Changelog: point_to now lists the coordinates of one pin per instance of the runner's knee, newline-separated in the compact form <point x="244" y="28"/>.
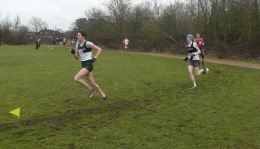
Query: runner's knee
<point x="190" y="72"/>
<point x="76" y="79"/>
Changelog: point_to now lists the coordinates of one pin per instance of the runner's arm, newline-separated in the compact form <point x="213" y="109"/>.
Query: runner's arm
<point x="76" y="55"/>
<point x="202" y="42"/>
<point x="98" y="49"/>
<point x="197" y="48"/>
<point x="198" y="51"/>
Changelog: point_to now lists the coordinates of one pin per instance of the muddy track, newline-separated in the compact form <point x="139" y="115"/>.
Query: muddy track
<point x="216" y="61"/>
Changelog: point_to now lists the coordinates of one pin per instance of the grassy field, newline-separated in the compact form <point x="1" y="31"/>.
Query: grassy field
<point x="152" y="106"/>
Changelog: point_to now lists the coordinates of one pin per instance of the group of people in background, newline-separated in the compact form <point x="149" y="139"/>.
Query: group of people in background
<point x="56" y="42"/>
<point x="59" y="41"/>
<point x="72" y="41"/>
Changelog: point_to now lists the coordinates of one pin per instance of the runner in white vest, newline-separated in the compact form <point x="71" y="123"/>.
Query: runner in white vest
<point x="84" y="53"/>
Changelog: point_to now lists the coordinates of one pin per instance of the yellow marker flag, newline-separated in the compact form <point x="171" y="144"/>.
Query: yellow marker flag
<point x="16" y="112"/>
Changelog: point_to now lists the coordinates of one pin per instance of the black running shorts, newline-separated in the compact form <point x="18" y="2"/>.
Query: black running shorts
<point x="88" y="65"/>
<point x="194" y="63"/>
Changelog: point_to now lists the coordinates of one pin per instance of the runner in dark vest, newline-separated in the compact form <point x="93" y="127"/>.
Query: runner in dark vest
<point x="193" y="59"/>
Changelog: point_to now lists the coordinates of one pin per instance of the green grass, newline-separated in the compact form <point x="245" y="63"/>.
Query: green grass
<point x="153" y="106"/>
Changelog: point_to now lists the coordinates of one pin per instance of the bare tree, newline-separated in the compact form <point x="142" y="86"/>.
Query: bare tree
<point x="16" y="24"/>
<point x="6" y="30"/>
<point x="36" y="24"/>
<point x="6" y="23"/>
<point x="119" y="11"/>
<point x="96" y="18"/>
<point x="19" y="32"/>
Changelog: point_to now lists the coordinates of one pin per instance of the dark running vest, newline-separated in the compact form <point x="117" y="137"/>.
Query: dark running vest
<point x="191" y="49"/>
<point x="84" y="48"/>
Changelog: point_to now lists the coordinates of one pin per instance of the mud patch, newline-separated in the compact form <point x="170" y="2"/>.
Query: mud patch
<point x="62" y="119"/>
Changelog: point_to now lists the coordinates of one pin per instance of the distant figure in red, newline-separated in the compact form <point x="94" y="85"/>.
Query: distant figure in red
<point x="125" y="42"/>
<point x="200" y="44"/>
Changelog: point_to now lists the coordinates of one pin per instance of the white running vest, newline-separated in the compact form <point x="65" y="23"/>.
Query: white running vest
<point x="85" y="50"/>
<point x="126" y="41"/>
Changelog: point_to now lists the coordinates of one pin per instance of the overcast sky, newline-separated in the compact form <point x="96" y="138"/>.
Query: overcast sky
<point x="56" y="13"/>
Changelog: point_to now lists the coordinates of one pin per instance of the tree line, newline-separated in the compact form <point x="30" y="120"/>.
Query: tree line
<point x="230" y="28"/>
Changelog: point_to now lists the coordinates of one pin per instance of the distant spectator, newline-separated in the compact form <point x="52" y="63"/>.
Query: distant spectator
<point x="125" y="42"/>
<point x="53" y="41"/>
<point x="56" y="41"/>
<point x="64" y="41"/>
<point x="38" y="43"/>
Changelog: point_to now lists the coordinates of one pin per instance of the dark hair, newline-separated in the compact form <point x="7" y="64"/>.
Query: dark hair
<point x="83" y="34"/>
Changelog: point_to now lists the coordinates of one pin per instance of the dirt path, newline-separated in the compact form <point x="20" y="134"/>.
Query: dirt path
<point x="216" y="61"/>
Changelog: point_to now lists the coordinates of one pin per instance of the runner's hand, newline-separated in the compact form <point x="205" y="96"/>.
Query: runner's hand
<point x="191" y="56"/>
<point x="93" y="60"/>
<point x="186" y="59"/>
<point x="72" y="51"/>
